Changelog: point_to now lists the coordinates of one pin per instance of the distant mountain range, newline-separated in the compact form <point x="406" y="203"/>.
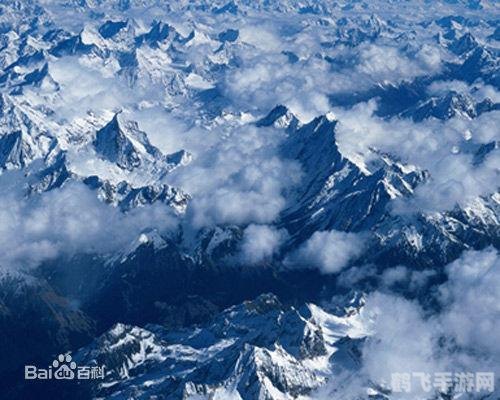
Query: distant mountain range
<point x="190" y="122"/>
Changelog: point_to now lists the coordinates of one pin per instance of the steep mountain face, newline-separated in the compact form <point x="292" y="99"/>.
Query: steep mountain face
<point x="334" y="186"/>
<point x="154" y="281"/>
<point x="128" y="197"/>
<point x="16" y="150"/>
<point x="480" y="63"/>
<point x="436" y="239"/>
<point x="25" y="135"/>
<point x="210" y="140"/>
<point x="448" y="106"/>
<point x="124" y="146"/>
<point x="258" y="350"/>
<point x="52" y="177"/>
<point x="280" y="117"/>
<point x="464" y="44"/>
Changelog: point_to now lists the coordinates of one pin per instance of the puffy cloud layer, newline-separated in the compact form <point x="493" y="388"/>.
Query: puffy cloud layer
<point x="458" y="337"/>
<point x="237" y="175"/>
<point x="329" y="251"/>
<point x="389" y="64"/>
<point x="68" y="221"/>
<point x="238" y="179"/>
<point x="260" y="243"/>
<point x="83" y="87"/>
<point x="403" y="341"/>
<point x="266" y="77"/>
<point x="444" y="148"/>
<point x="471" y="300"/>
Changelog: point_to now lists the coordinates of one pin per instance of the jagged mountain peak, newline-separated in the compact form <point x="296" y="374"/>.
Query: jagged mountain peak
<point x="449" y="105"/>
<point x="159" y="33"/>
<point x="26" y="133"/>
<point x="124" y="144"/>
<point x="55" y="175"/>
<point x="479" y="63"/>
<point x="278" y="322"/>
<point x="181" y="157"/>
<point x="464" y="44"/>
<point x="333" y="185"/>
<point x="16" y="150"/>
<point x="121" y="142"/>
<point x="73" y="45"/>
<point x="444" y="107"/>
<point x="258" y="350"/>
<point x="269" y="186"/>
<point x="127" y="197"/>
<point x="280" y="117"/>
<point x="110" y="28"/>
<point x="314" y="144"/>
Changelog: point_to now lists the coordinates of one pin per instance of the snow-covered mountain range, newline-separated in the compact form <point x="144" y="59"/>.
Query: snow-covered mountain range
<point x="219" y="200"/>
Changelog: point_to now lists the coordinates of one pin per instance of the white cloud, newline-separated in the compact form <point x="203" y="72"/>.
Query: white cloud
<point x="67" y="221"/>
<point x="439" y="88"/>
<point x="266" y="78"/>
<point x="402" y="341"/>
<point x="83" y="88"/>
<point x="236" y="176"/>
<point x="430" y="145"/>
<point x="261" y="36"/>
<point x="478" y="91"/>
<point x="472" y="301"/>
<point x="388" y="63"/>
<point x="329" y="251"/>
<point x="260" y="242"/>
<point x="165" y="131"/>
<point x="394" y="276"/>
<point x="458" y="336"/>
